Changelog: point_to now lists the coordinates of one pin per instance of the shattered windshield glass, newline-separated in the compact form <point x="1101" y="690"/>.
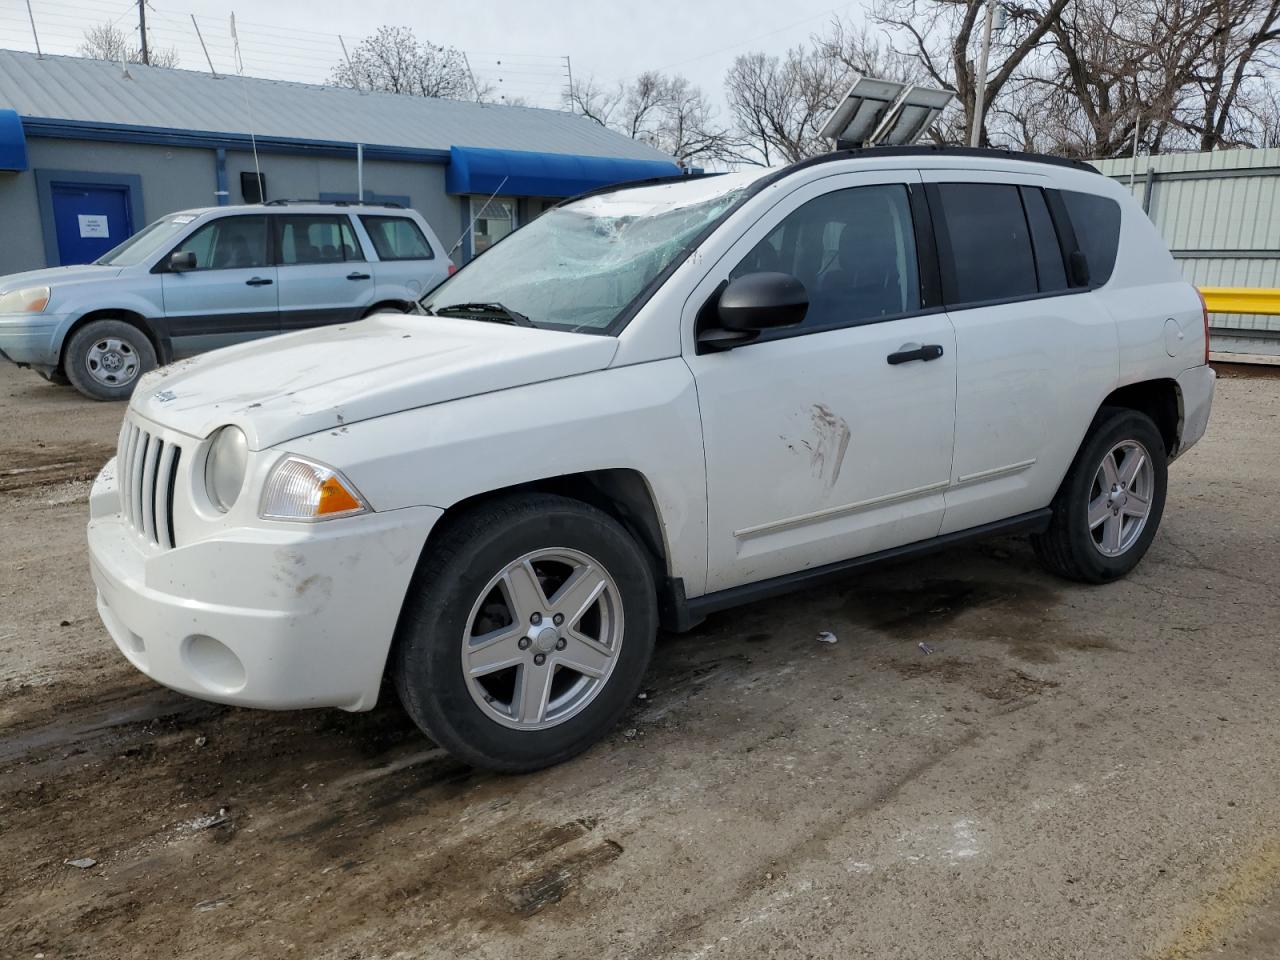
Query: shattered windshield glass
<point x="578" y="267"/>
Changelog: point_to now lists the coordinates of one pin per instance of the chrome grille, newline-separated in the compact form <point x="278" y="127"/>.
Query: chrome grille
<point x="147" y="469"/>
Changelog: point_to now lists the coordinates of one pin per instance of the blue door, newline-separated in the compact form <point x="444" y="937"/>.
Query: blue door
<point x="89" y="220"/>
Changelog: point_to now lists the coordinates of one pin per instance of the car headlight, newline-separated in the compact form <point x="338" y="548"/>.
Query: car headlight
<point x="301" y="489"/>
<point x="225" y="467"/>
<point x="27" y="300"/>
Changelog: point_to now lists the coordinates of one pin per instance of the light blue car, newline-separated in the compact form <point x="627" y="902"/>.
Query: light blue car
<point x="200" y="279"/>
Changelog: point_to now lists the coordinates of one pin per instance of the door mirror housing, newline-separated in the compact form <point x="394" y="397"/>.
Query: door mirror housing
<point x="762" y="301"/>
<point x="182" y="261"/>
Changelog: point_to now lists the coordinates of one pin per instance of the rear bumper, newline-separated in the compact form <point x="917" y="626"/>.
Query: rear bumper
<point x="258" y="617"/>
<point x="31" y="339"/>
<point x="1195" y="390"/>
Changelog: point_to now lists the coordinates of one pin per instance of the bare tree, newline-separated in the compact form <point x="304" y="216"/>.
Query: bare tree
<point x="108" y="42"/>
<point x="670" y="113"/>
<point x="1243" y="37"/>
<point x="779" y="104"/>
<point x="393" y="60"/>
<point x="939" y="37"/>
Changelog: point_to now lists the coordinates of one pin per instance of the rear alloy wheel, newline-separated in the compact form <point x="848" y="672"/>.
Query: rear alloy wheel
<point x="105" y="358"/>
<point x="1109" y="506"/>
<point x="526" y="633"/>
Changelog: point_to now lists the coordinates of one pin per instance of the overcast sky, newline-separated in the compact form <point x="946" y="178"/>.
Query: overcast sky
<point x="511" y="43"/>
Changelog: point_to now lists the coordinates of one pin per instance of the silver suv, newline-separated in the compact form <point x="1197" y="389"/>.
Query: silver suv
<point x="200" y="279"/>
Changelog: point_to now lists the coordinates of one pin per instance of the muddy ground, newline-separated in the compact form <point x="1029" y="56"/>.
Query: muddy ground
<point x="1071" y="773"/>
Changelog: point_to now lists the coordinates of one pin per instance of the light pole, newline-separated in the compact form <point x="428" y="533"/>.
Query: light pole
<point x="980" y="94"/>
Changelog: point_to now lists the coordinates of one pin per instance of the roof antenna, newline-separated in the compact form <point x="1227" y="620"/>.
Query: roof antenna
<point x="200" y="37"/>
<point x="257" y="169"/>
<point x="32" y="17"/>
<point x="474" y="86"/>
<point x="355" y="81"/>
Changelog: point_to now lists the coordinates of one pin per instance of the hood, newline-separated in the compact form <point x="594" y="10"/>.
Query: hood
<point x="57" y="276"/>
<point x="300" y="383"/>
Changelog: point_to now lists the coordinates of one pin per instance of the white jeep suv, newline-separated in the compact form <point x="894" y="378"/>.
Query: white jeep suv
<point x="651" y="403"/>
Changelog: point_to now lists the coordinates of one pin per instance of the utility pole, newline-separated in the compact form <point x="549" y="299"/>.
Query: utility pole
<point x="142" y="29"/>
<point x="980" y="94"/>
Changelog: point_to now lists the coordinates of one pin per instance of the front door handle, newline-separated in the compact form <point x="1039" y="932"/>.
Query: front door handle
<point x="258" y="282"/>
<point x="357" y="276"/>
<point x="909" y="351"/>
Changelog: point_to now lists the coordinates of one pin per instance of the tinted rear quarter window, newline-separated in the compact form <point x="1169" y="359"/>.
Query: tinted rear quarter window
<point x="1096" y="221"/>
<point x="397" y="238"/>
<point x="985" y="241"/>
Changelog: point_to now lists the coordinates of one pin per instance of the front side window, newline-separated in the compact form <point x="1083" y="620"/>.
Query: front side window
<point x="316" y="239"/>
<point x="580" y="266"/>
<point x="984" y="244"/>
<point x="229" y="243"/>
<point x="854" y="251"/>
<point x="397" y="238"/>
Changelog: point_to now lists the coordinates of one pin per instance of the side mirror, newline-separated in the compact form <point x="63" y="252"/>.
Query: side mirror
<point x="182" y="261"/>
<point x="762" y="301"/>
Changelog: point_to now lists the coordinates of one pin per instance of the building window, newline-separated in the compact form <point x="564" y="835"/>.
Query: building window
<point x="494" y="218"/>
<point x="253" y="186"/>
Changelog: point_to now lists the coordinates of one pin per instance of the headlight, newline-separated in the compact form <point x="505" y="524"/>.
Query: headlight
<point x="299" y="489"/>
<point x="29" y="300"/>
<point x="225" y="466"/>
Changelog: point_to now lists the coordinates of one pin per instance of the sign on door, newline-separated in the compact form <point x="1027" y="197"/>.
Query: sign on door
<point x="93" y="225"/>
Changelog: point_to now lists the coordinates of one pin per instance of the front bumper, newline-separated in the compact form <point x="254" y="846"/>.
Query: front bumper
<point x="31" y="339"/>
<point x="1195" y="391"/>
<point x="279" y="616"/>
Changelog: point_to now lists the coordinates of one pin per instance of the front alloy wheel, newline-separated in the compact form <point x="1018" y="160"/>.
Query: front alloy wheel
<point x="526" y="631"/>
<point x="543" y="639"/>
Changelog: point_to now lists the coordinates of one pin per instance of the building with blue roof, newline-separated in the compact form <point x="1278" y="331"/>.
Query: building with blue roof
<point x="113" y="146"/>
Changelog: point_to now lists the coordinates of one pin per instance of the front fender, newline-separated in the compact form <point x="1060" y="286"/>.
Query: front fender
<point x="642" y="418"/>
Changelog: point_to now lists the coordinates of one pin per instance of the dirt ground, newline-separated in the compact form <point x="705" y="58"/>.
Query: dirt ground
<point x="1072" y="772"/>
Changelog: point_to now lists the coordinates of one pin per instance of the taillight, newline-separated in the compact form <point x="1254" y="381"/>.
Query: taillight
<point x="454" y="269"/>
<point x="1204" y="312"/>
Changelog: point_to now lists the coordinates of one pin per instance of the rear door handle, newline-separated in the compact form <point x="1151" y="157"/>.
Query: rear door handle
<point x="258" y="282"/>
<point x="357" y="276"/>
<point x="909" y="351"/>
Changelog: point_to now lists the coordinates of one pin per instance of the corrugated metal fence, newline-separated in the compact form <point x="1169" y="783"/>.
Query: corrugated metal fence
<point x="1220" y="214"/>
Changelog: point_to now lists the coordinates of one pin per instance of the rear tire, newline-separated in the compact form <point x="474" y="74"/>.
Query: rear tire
<point x="507" y="603"/>
<point x="1109" y="506"/>
<point x="105" y="359"/>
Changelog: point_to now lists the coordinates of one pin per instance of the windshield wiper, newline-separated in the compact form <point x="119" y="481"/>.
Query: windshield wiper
<point x="494" y="312"/>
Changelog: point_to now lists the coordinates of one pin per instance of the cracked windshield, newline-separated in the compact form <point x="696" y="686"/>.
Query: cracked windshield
<point x="578" y="267"/>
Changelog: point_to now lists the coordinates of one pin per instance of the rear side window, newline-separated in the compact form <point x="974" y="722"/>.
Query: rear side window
<point x="1096" y="221"/>
<point x="316" y="239"/>
<point x="397" y="238"/>
<point x="1050" y="267"/>
<point x="984" y="244"/>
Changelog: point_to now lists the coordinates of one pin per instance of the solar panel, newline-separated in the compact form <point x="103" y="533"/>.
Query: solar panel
<point x="884" y="113"/>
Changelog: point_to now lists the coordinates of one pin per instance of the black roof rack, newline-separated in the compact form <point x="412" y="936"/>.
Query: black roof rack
<point x="336" y="203"/>
<point x="938" y="149"/>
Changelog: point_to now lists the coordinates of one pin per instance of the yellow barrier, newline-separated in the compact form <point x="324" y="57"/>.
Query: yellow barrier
<point x="1242" y="300"/>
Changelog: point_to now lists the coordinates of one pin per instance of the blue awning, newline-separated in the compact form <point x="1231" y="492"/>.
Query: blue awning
<point x="522" y="173"/>
<point x="13" y="143"/>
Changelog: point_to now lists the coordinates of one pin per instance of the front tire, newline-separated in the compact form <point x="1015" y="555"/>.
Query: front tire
<point x="526" y="633"/>
<point x="105" y="358"/>
<point x="1109" y="506"/>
